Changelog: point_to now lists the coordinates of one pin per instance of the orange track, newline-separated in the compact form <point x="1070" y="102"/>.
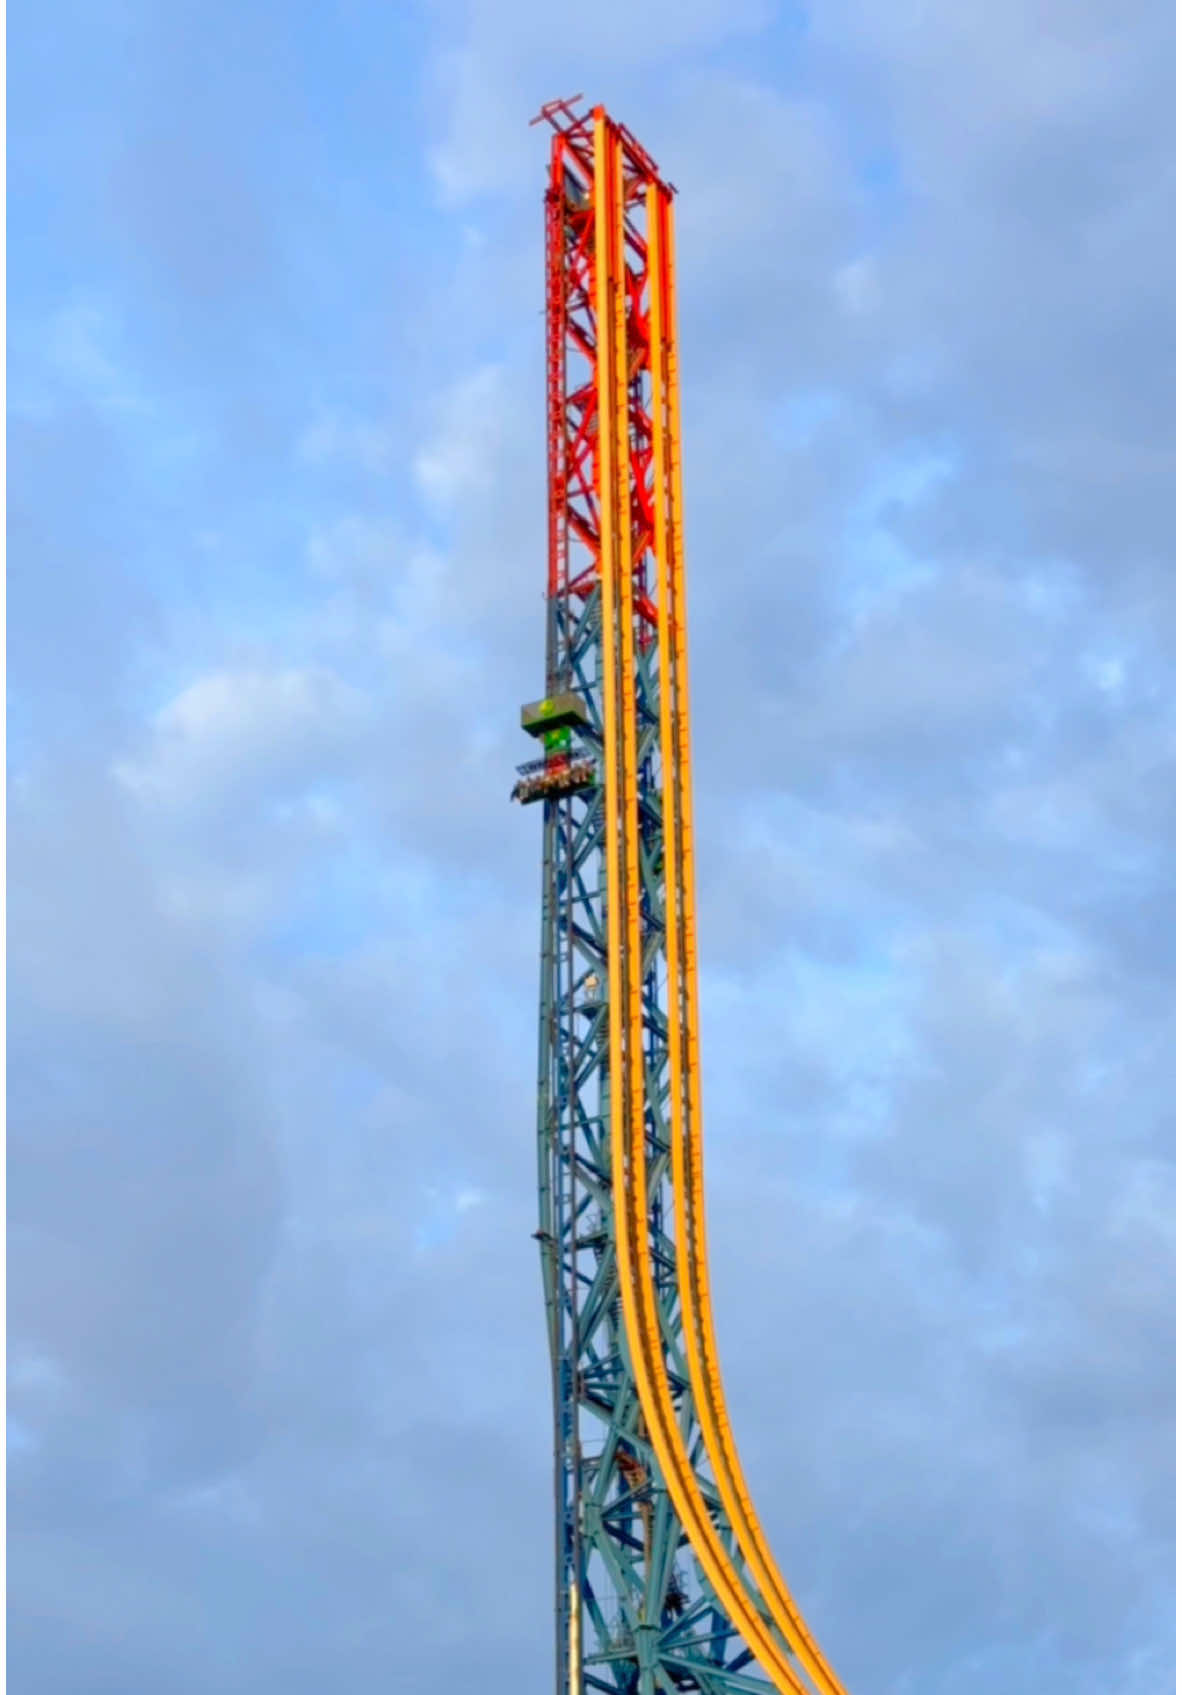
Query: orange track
<point x="768" y="1619"/>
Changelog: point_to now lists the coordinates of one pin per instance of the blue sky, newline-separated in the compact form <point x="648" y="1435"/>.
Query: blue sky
<point x="277" y="1401"/>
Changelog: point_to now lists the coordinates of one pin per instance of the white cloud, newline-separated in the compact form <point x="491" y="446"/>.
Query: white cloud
<point x="77" y="352"/>
<point x="934" y="909"/>
<point x="460" y="459"/>
<point x="80" y="349"/>
<point x="361" y="550"/>
<point x="337" y="437"/>
<point x="492" y="76"/>
<point x="857" y="286"/>
<point x="230" y="728"/>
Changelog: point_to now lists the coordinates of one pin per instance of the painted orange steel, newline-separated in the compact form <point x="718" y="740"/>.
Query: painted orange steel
<point x="618" y="512"/>
<point x="629" y="1161"/>
<point x="681" y="932"/>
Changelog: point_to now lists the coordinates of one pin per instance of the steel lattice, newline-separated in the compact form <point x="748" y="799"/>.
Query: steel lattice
<point x="664" y="1578"/>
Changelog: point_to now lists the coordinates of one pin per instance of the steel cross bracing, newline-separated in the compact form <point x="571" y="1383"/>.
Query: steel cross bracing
<point x="664" y="1577"/>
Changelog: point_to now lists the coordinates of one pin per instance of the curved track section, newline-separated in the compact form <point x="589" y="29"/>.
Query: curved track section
<point x="666" y="1583"/>
<point x="621" y="807"/>
<point x="681" y="945"/>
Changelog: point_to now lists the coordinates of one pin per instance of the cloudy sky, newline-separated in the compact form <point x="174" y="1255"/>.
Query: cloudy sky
<point x="278" y="1414"/>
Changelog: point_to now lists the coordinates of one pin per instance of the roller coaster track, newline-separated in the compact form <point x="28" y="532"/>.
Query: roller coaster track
<point x="693" y="1598"/>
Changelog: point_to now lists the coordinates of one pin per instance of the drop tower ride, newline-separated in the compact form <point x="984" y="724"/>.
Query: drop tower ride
<point x="665" y="1581"/>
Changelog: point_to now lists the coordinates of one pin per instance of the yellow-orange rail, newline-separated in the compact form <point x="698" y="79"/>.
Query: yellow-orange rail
<point x="746" y="1581"/>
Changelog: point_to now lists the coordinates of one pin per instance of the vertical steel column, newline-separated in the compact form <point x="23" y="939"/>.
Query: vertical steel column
<point x="664" y="1581"/>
